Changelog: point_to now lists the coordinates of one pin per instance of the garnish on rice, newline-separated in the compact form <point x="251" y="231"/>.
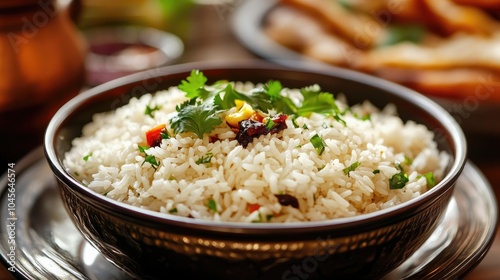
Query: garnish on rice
<point x="255" y="153"/>
<point x="250" y="114"/>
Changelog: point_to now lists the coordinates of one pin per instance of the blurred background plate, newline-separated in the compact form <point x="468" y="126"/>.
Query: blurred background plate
<point x="476" y="113"/>
<point x="116" y="51"/>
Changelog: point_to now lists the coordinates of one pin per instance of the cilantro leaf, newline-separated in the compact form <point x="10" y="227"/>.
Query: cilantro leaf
<point x="273" y="89"/>
<point x="285" y="105"/>
<point x="230" y="95"/>
<point x="317" y="102"/>
<point x="199" y="119"/>
<point x="185" y="103"/>
<point x="257" y="99"/>
<point x="279" y="102"/>
<point x="194" y="84"/>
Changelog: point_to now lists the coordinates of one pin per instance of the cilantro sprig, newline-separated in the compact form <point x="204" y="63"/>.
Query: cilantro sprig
<point x="201" y="113"/>
<point x="200" y="119"/>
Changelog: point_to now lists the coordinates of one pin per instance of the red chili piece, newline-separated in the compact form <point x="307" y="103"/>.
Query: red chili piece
<point x="153" y="136"/>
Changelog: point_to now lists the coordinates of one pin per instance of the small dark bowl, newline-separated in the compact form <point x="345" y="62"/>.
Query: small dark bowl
<point x="151" y="245"/>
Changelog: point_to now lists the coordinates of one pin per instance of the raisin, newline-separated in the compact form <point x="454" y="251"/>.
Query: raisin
<point x="250" y="129"/>
<point x="287" y="200"/>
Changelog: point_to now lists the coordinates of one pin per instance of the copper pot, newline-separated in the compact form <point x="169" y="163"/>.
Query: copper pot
<point x="42" y="66"/>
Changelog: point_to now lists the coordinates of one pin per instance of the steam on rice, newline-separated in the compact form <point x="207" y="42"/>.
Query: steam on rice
<point x="244" y="184"/>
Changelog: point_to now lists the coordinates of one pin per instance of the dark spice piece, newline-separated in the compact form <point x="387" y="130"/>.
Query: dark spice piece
<point x="250" y="129"/>
<point x="287" y="200"/>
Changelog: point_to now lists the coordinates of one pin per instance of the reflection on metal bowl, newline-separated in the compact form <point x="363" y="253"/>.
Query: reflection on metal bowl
<point x="146" y="244"/>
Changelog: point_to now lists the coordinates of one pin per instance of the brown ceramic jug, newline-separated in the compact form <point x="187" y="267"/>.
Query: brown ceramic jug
<point x="41" y="67"/>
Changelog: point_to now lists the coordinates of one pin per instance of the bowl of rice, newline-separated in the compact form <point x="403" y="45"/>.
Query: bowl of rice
<point x="254" y="171"/>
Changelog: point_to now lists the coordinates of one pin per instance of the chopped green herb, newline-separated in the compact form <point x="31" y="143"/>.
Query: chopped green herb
<point x="294" y="121"/>
<point x="398" y="181"/>
<point x="164" y="134"/>
<point x="205" y="159"/>
<point x="318" y="144"/>
<point x="408" y="161"/>
<point x="401" y="33"/>
<point x="212" y="205"/>
<point x="151" y="160"/>
<point x="366" y="117"/>
<point x="259" y="219"/>
<point x="269" y="217"/>
<point x="77" y="174"/>
<point x="352" y="167"/>
<point x="142" y="149"/>
<point x="429" y="177"/>
<point x="173" y="210"/>
<point x="376" y="171"/>
<point x="86" y="157"/>
<point x="270" y="124"/>
<point x="148" y="158"/>
<point x="150" y="110"/>
<point x="305" y="126"/>
<point x="324" y="125"/>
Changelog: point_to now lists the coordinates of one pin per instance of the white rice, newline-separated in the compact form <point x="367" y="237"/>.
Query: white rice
<point x="106" y="158"/>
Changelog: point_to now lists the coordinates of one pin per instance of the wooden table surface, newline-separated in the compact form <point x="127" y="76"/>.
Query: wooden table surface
<point x="210" y="38"/>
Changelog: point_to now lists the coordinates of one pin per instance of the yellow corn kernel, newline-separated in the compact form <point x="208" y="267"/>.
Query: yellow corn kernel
<point x="245" y="111"/>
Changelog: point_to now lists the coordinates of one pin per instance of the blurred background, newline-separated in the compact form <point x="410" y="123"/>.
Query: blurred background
<point x="449" y="50"/>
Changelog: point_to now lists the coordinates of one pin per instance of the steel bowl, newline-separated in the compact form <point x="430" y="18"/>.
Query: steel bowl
<point x="151" y="245"/>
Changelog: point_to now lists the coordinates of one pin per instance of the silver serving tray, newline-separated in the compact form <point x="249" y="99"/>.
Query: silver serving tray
<point x="48" y="245"/>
